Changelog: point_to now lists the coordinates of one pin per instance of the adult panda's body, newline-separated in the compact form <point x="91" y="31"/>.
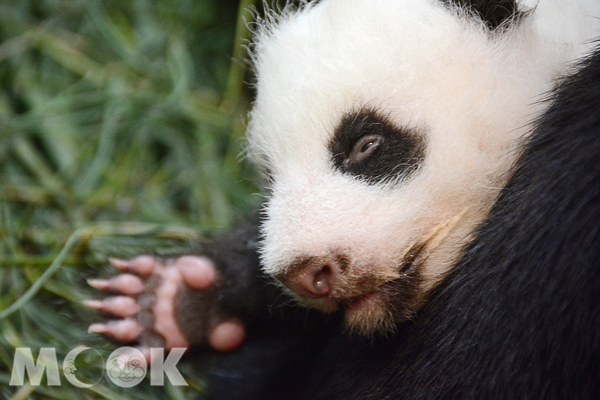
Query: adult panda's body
<point x="387" y="130"/>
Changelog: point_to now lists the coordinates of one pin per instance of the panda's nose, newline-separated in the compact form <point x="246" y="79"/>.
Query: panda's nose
<point x="313" y="277"/>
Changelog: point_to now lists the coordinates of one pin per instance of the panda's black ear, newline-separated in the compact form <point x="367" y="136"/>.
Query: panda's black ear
<point x="494" y="13"/>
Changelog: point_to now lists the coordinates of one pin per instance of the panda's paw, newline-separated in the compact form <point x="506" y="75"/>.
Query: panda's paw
<point x="150" y="301"/>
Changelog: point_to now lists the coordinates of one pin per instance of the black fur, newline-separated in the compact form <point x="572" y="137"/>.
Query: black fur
<point x="396" y="152"/>
<point x="495" y="14"/>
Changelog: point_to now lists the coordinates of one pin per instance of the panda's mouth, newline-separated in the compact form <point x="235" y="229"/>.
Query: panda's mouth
<point x="378" y="299"/>
<point x="363" y="302"/>
<point x="374" y="296"/>
<point x="397" y="290"/>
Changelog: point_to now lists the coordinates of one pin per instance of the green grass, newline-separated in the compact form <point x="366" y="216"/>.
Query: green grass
<point x="120" y="129"/>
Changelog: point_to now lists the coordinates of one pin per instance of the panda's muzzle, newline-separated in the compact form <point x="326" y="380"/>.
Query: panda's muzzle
<point x="329" y="281"/>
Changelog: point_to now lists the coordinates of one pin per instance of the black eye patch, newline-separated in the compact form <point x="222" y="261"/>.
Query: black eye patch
<point x="370" y="147"/>
<point x="495" y="14"/>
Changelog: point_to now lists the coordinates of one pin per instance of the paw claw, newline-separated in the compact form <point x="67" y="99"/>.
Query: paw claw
<point x="124" y="283"/>
<point x="95" y="304"/>
<point x="100" y="284"/>
<point x="98" y="328"/>
<point x="142" y="265"/>
<point x="120" y="306"/>
<point x="126" y="330"/>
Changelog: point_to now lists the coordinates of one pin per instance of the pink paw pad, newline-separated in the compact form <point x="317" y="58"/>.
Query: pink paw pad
<point x="227" y="335"/>
<point x="197" y="272"/>
<point x="164" y="317"/>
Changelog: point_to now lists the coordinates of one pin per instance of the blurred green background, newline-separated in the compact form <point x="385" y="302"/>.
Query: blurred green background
<point x="121" y="125"/>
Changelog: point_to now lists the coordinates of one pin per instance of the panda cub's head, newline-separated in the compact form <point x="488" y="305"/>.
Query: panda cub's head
<point x="386" y="130"/>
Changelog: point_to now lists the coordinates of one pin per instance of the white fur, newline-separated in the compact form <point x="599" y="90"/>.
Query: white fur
<point x="423" y="66"/>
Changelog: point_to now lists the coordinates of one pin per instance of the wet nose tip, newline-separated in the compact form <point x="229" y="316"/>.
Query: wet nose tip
<point x="314" y="279"/>
<point x="322" y="281"/>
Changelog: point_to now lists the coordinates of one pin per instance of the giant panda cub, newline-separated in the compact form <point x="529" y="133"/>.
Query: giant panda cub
<point x="386" y="131"/>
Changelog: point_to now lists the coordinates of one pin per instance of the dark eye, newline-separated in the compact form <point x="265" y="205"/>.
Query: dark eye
<point x="372" y="148"/>
<point x="363" y="149"/>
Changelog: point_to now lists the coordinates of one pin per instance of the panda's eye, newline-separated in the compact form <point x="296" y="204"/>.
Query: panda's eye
<point x="363" y="149"/>
<point x="371" y="148"/>
<point x="368" y="144"/>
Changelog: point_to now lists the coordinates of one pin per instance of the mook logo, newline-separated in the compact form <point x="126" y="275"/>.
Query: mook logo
<point x="125" y="367"/>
